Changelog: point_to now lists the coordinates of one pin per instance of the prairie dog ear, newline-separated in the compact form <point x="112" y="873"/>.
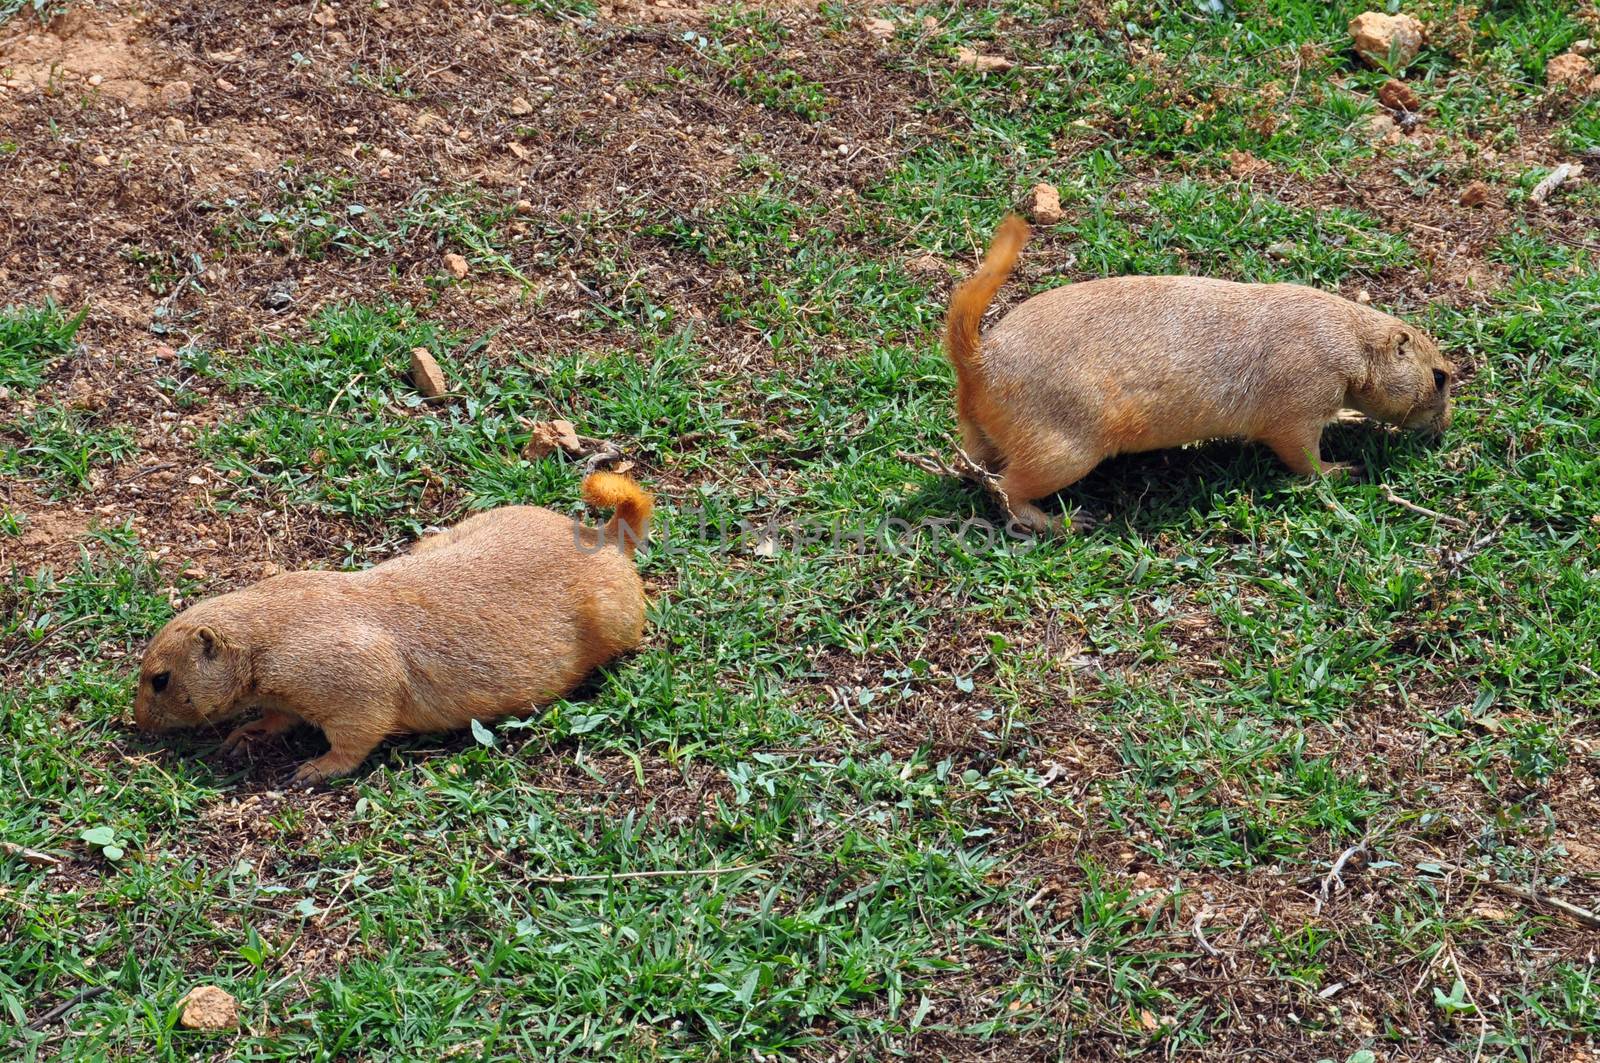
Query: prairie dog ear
<point x="210" y="642"/>
<point x="1404" y="343"/>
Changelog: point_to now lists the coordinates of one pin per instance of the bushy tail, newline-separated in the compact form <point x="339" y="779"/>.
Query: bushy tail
<point x="629" y="527"/>
<point x="967" y="306"/>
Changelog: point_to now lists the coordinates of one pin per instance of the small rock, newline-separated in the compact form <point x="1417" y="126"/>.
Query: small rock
<point x="456" y="264"/>
<point x="1046" y="207"/>
<point x="1475" y="194"/>
<point x="1398" y="96"/>
<point x="524" y="206"/>
<point x="195" y="571"/>
<point x="1244" y="164"/>
<point x="426" y="376"/>
<point x="325" y="16"/>
<point x="81" y="395"/>
<point x="1380" y="126"/>
<point x="175" y="94"/>
<point x="96" y="80"/>
<point x="880" y="28"/>
<point x="926" y="265"/>
<point x="1364" y="297"/>
<point x="929" y="24"/>
<point x="205" y="1007"/>
<point x="268" y="570"/>
<point x="519" y="106"/>
<point x="551" y="436"/>
<point x="224" y="85"/>
<point x="968" y="58"/>
<point x="1388" y="42"/>
<point x="1584" y="46"/>
<point x="102" y="161"/>
<point x="1568" y="71"/>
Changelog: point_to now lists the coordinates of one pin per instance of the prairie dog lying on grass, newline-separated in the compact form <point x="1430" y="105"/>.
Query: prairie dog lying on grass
<point x="1077" y="374"/>
<point x="510" y="608"/>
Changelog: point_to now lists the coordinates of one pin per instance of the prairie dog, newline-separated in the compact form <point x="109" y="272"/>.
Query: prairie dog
<point x="510" y="608"/>
<point x="1125" y="364"/>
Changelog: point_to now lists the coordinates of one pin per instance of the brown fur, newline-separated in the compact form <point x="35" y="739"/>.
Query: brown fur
<point x="1125" y="364"/>
<point x="508" y="609"/>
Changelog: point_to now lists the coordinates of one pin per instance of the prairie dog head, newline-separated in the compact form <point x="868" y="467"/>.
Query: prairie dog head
<point x="1408" y="381"/>
<point x="192" y="674"/>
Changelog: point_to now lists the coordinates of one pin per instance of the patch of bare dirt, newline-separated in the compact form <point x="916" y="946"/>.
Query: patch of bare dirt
<point x="51" y="531"/>
<point x="88" y="54"/>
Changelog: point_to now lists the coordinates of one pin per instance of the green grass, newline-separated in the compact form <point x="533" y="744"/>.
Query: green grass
<point x="31" y="340"/>
<point x="40" y="8"/>
<point x="935" y="800"/>
<point x="744" y="43"/>
<point x="1582" y="131"/>
<point x="54" y="443"/>
<point x="61" y="446"/>
<point x="315" y="215"/>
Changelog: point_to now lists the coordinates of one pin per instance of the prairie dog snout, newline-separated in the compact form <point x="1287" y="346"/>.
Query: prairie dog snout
<point x="1083" y="372"/>
<point x="508" y="609"/>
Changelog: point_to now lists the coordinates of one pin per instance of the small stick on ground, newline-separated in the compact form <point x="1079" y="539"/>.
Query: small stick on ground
<point x="1044" y="891"/>
<point x="964" y="469"/>
<point x="1442" y="518"/>
<point x="1528" y="894"/>
<point x="82" y="996"/>
<point x="1557" y="178"/>
<point x="30" y="856"/>
<point x="558" y="880"/>
<point x="1454" y="559"/>
<point x="1198" y="926"/>
<point x="28" y="651"/>
<point x="146" y="471"/>
<point x="1325" y="894"/>
<point x="606" y="455"/>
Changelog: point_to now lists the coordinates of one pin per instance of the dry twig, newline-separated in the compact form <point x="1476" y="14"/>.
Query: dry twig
<point x="964" y="469"/>
<point x="30" y="856"/>
<point x="82" y="996"/>
<point x="146" y="471"/>
<point x="28" y="651"/>
<point x="1528" y="894"/>
<point x="558" y="880"/>
<point x="1454" y="559"/>
<point x="1198" y="927"/>
<point x="1442" y="518"/>
<point x="1325" y="894"/>
<point x="1557" y="178"/>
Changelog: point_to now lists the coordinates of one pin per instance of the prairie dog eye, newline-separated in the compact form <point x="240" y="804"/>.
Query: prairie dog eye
<point x="158" y="682"/>
<point x="1440" y="379"/>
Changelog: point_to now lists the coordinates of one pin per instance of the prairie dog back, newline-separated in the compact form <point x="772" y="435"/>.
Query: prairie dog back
<point x="509" y="609"/>
<point x="1080" y="373"/>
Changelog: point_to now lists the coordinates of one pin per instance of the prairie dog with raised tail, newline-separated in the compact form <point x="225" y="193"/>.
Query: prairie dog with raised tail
<point x="1080" y="373"/>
